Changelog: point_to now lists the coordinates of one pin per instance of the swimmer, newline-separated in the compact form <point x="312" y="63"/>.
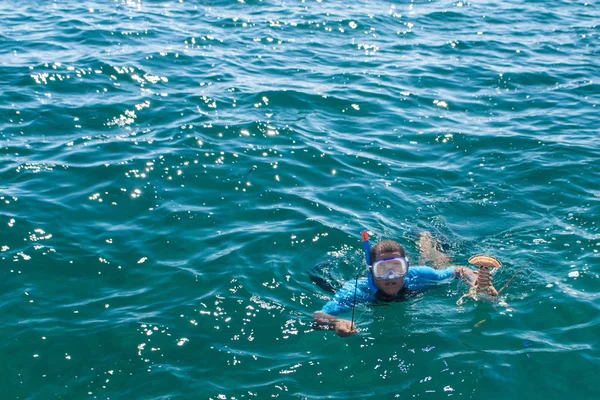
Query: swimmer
<point x="389" y="278"/>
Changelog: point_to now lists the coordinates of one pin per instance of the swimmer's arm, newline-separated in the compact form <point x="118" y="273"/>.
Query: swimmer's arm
<point x="458" y="272"/>
<point x="343" y="301"/>
<point x="322" y="320"/>
<point x="342" y="327"/>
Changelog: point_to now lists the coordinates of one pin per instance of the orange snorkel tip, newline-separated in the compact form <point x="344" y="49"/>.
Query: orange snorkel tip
<point x="365" y="236"/>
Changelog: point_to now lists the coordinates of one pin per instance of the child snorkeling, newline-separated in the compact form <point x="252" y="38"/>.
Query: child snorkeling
<point x="389" y="278"/>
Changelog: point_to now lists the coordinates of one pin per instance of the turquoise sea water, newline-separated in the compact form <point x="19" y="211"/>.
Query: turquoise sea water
<point x="169" y="171"/>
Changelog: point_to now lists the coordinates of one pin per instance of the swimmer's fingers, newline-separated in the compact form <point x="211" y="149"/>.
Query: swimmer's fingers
<point x="467" y="274"/>
<point x="344" y="328"/>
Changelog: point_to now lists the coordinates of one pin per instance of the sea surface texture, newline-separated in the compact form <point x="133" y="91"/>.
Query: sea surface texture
<point x="171" y="170"/>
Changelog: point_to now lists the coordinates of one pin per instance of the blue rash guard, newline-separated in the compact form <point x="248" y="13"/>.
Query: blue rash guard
<point x="417" y="278"/>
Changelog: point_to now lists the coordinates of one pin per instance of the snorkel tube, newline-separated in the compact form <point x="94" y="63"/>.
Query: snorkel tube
<point x="367" y="249"/>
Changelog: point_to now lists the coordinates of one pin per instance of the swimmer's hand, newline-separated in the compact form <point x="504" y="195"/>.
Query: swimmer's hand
<point x="344" y="328"/>
<point x="467" y="274"/>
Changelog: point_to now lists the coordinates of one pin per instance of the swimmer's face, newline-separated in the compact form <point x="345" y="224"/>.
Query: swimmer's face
<point x="393" y="286"/>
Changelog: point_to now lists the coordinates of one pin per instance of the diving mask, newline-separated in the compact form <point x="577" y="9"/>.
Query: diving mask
<point x="390" y="268"/>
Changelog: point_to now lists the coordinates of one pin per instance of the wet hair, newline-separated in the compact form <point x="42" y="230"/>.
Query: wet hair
<point x="386" y="246"/>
